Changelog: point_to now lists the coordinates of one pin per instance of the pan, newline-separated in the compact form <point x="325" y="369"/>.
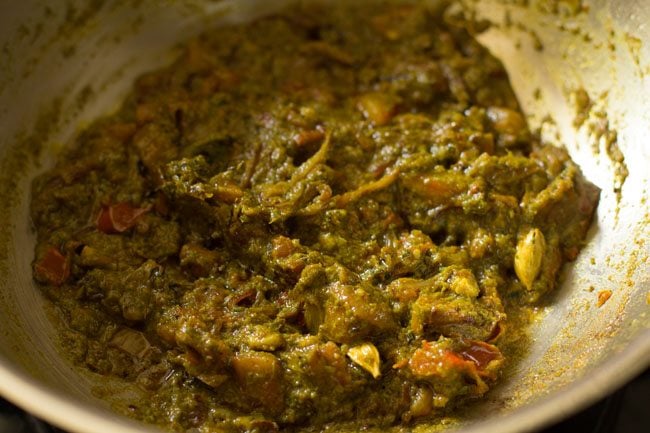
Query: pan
<point x="581" y="70"/>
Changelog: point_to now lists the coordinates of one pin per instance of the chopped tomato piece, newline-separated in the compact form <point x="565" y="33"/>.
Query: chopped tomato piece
<point x="454" y="360"/>
<point x="603" y="296"/>
<point x="119" y="217"/>
<point x="434" y="360"/>
<point x="53" y="268"/>
<point x="481" y="354"/>
<point x="475" y="359"/>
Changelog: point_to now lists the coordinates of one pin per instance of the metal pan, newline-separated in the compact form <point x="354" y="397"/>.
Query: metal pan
<point x="67" y="62"/>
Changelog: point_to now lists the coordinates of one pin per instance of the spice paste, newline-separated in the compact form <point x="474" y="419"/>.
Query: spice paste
<point x="317" y="219"/>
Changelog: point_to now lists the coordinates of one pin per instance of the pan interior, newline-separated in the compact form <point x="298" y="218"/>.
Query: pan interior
<point x="65" y="66"/>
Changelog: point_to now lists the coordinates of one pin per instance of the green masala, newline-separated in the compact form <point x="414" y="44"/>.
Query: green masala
<point x="315" y="220"/>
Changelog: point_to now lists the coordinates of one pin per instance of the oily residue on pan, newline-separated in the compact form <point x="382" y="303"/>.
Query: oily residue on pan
<point x="15" y="163"/>
<point x="634" y="45"/>
<point x="51" y="31"/>
<point x="561" y="8"/>
<point x="590" y="116"/>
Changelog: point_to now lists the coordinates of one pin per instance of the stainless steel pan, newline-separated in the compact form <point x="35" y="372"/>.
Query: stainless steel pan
<point x="64" y="63"/>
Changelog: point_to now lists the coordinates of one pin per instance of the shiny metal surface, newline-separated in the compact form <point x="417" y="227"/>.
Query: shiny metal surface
<point x="64" y="64"/>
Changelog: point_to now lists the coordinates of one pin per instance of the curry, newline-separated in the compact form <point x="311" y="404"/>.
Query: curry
<point x="317" y="220"/>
